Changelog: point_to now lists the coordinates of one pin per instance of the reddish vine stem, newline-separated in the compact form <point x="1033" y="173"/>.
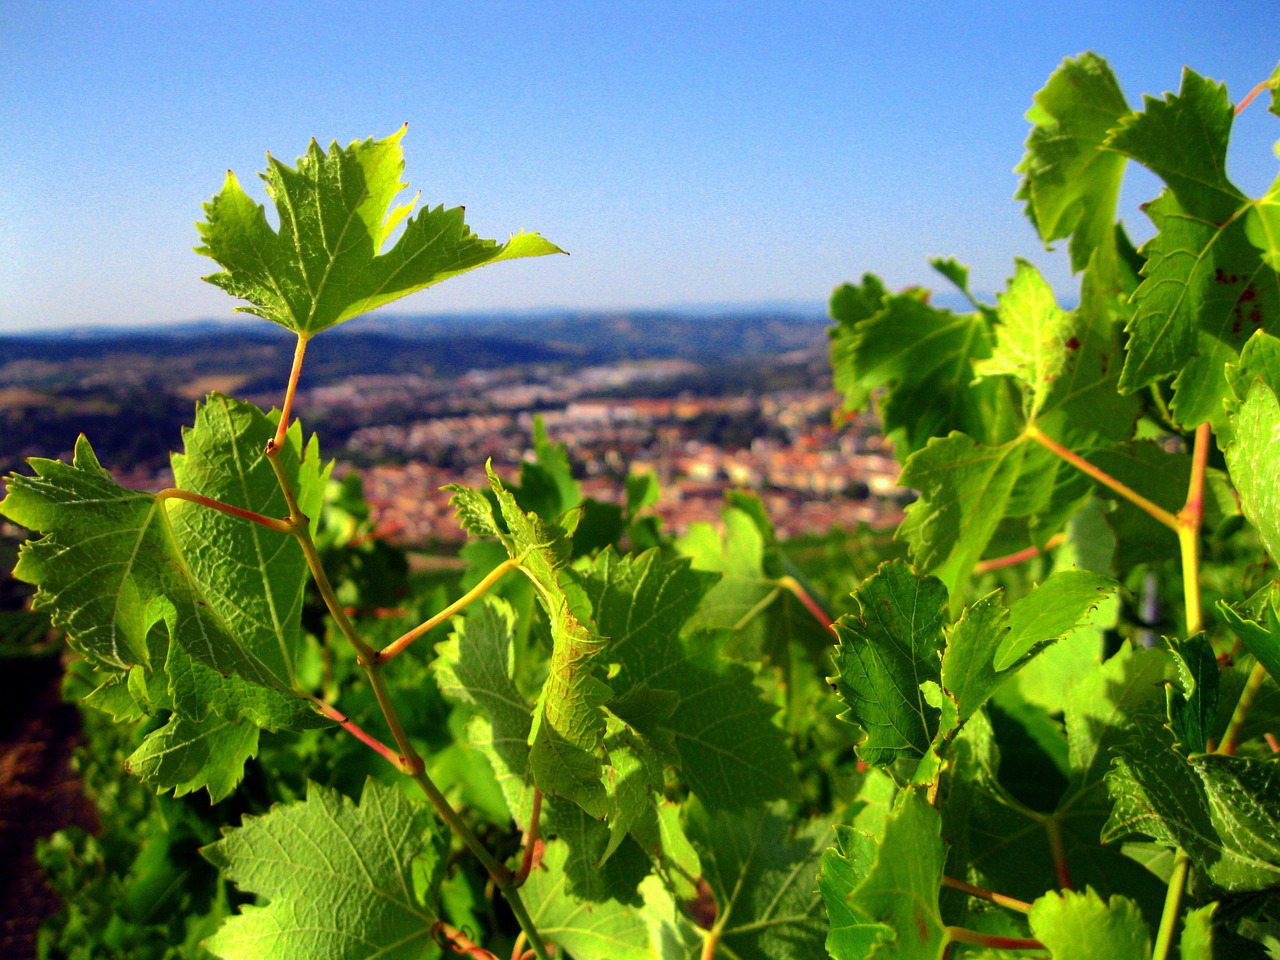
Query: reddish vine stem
<point x="336" y="715"/>
<point x="800" y="593"/>
<point x="1058" y="852"/>
<point x="530" y="840"/>
<point x="989" y="895"/>
<point x="1248" y="97"/>
<point x="1013" y="559"/>
<point x="460" y="943"/>
<point x="271" y="523"/>
<point x="991" y="941"/>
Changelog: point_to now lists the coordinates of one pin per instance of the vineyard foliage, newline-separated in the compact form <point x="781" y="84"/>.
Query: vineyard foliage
<point x="1044" y="725"/>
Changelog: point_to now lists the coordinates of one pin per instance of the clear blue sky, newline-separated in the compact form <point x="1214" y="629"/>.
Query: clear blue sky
<point x="684" y="152"/>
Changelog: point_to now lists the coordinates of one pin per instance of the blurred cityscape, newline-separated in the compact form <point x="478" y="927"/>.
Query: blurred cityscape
<point x="704" y="403"/>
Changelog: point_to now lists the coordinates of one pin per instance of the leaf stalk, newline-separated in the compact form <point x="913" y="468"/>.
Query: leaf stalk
<point x="1104" y="478"/>
<point x="397" y="646"/>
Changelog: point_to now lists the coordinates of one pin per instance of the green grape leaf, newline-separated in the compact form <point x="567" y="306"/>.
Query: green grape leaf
<point x="1197" y="940"/>
<point x="1083" y="926"/>
<point x="1032" y="341"/>
<point x="749" y="597"/>
<point x="199" y="572"/>
<point x="1051" y="611"/>
<point x="1206" y="286"/>
<point x="1193" y="703"/>
<point x="923" y="356"/>
<point x="343" y="879"/>
<point x="1224" y="812"/>
<point x="1259" y="360"/>
<point x="619" y="931"/>
<point x="567" y="739"/>
<point x="1006" y="845"/>
<point x="888" y="891"/>
<point x="991" y="642"/>
<point x="966" y="488"/>
<point x="1251" y="459"/>
<point x="475" y="666"/>
<point x="885" y="652"/>
<point x="1260" y="637"/>
<point x="731" y="753"/>
<point x="327" y="262"/>
<point x="1262" y="225"/>
<point x="183" y="756"/>
<point x="763" y="878"/>
<point x="1070" y="183"/>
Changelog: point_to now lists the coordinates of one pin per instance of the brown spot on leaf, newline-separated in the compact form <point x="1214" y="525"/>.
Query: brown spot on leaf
<point x="1073" y="344"/>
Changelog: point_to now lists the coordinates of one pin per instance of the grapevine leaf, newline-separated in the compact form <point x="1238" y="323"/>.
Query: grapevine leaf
<point x="587" y="931"/>
<point x="1006" y="845"/>
<point x="888" y="893"/>
<point x="965" y="490"/>
<point x="1197" y="940"/>
<point x="763" y="879"/>
<point x="991" y="642"/>
<point x="1193" y="708"/>
<point x="1070" y="184"/>
<point x="1032" y="339"/>
<point x="1223" y="811"/>
<point x="1206" y="285"/>
<point x="342" y="878"/>
<point x="1262" y="225"/>
<point x="923" y="356"/>
<point x="749" y="598"/>
<point x="1251" y="459"/>
<point x="1260" y="637"/>
<point x="199" y="572"/>
<point x="327" y="262"/>
<point x="731" y="754"/>
<point x="475" y="666"/>
<point x="1083" y="926"/>
<point x="1051" y="611"/>
<point x="184" y="756"/>
<point x="885" y="652"/>
<point x="567" y="738"/>
<point x="1259" y="360"/>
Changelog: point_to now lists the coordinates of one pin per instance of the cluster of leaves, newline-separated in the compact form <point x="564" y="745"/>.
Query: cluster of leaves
<point x="1033" y="738"/>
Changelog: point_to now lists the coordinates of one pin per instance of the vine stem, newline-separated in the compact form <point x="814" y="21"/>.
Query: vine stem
<point x="1172" y="905"/>
<point x="1231" y="738"/>
<point x="1189" y="521"/>
<point x="338" y="717"/>
<point x="991" y="941"/>
<point x="410" y="760"/>
<point x="1013" y="559"/>
<point x="989" y="895"/>
<point x="397" y="646"/>
<point x="800" y="593"/>
<point x="1248" y="97"/>
<point x="271" y="523"/>
<point x="1104" y="478"/>
<point x="530" y="840"/>
<point x="286" y="408"/>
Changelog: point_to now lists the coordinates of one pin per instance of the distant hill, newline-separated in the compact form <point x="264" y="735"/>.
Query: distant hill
<point x="402" y="344"/>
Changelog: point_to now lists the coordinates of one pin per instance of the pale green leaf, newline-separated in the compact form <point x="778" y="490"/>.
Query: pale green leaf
<point x="340" y="879"/>
<point x="1252" y="458"/>
<point x="890" y="905"/>
<point x="1083" y="926"/>
<point x="327" y="262"/>
<point x="183" y="756"/>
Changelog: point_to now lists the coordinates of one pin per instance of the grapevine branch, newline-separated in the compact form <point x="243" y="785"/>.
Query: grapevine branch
<point x="173" y="493"/>
<point x="410" y="760"/>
